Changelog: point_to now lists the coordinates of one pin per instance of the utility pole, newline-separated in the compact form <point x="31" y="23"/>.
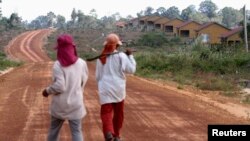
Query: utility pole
<point x="245" y="28"/>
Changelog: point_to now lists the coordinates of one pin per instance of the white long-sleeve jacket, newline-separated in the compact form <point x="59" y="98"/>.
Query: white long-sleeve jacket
<point x="111" y="77"/>
<point x="67" y="90"/>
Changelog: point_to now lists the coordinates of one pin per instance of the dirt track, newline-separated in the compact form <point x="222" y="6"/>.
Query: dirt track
<point x="153" y="112"/>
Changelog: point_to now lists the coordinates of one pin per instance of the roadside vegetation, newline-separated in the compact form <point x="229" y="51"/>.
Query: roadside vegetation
<point x="9" y="28"/>
<point x="224" y="69"/>
<point x="6" y="63"/>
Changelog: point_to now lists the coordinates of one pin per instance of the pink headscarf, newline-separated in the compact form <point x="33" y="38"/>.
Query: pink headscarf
<point x="66" y="50"/>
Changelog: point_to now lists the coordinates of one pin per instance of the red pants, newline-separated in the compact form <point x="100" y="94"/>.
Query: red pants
<point x="112" y="117"/>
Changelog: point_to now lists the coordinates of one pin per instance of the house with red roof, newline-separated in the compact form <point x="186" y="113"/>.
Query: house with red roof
<point x="232" y="37"/>
<point x="170" y="26"/>
<point x="211" y="32"/>
<point x="187" y="29"/>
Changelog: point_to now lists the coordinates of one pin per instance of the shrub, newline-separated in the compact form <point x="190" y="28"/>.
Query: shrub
<point x="153" y="39"/>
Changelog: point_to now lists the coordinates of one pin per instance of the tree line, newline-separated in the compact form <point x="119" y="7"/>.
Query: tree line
<point x="207" y="11"/>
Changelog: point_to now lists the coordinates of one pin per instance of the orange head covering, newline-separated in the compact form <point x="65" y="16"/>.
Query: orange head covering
<point x="112" y="40"/>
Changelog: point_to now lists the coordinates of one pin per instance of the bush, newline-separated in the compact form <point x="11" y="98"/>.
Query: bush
<point x="5" y="63"/>
<point x="153" y="39"/>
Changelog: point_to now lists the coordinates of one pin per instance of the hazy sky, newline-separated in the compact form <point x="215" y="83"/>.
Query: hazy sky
<point x="30" y="9"/>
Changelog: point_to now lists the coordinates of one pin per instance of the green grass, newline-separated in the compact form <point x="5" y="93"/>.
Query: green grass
<point x="192" y="67"/>
<point x="5" y="63"/>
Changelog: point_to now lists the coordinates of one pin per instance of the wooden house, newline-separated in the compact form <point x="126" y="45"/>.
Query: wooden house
<point x="232" y="37"/>
<point x="187" y="29"/>
<point x="170" y="26"/>
<point x="132" y="24"/>
<point x="159" y="24"/>
<point x="151" y="22"/>
<point x="211" y="32"/>
<point x="143" y="22"/>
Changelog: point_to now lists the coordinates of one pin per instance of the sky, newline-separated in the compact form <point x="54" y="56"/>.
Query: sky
<point x="31" y="9"/>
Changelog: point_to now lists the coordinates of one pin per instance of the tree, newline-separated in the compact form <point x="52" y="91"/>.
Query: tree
<point x="4" y="24"/>
<point x="230" y="16"/>
<point x="161" y="11"/>
<point x="15" y="20"/>
<point x="199" y="17"/>
<point x="73" y="15"/>
<point x="173" y="12"/>
<point x="93" y="13"/>
<point x="148" y="11"/>
<point x="108" y="22"/>
<point x="140" y="14"/>
<point x="39" y="22"/>
<point x="80" y="17"/>
<point x="51" y="18"/>
<point x="60" y="21"/>
<point x="129" y="17"/>
<point x="208" y="8"/>
<point x="116" y="16"/>
<point x="187" y="12"/>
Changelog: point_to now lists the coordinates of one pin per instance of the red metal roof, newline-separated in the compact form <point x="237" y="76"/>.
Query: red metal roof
<point x="232" y="32"/>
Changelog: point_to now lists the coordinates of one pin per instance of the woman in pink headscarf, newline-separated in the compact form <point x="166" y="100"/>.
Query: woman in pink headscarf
<point x="70" y="74"/>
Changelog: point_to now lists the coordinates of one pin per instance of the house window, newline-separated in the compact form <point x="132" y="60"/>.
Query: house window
<point x="142" y="22"/>
<point x="230" y="43"/>
<point x="150" y="23"/>
<point x="237" y="42"/>
<point x="157" y="26"/>
<point x="184" y="33"/>
<point x="169" y="28"/>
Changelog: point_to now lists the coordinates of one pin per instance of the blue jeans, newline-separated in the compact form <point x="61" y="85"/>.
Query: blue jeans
<point x="75" y="127"/>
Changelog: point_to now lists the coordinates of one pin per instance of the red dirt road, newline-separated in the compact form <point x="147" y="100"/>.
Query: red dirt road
<point x="153" y="111"/>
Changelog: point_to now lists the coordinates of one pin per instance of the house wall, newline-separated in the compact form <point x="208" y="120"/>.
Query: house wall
<point x="161" y="21"/>
<point x="191" y="27"/>
<point x="173" y="23"/>
<point x="214" y="32"/>
<point x="235" y="37"/>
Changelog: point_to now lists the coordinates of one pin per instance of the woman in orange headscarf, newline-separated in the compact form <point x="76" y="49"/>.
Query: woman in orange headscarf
<point x="110" y="75"/>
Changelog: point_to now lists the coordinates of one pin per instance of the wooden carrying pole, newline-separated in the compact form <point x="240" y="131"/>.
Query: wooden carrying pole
<point x="108" y="54"/>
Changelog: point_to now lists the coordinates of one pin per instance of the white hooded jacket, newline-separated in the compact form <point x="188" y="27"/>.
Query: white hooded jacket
<point x="67" y="90"/>
<point x="111" y="77"/>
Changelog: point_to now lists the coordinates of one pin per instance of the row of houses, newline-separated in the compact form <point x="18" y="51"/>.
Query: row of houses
<point x="211" y="32"/>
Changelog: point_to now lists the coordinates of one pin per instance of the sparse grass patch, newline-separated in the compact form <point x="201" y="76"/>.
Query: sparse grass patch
<point x="229" y="93"/>
<point x="246" y="99"/>
<point x="5" y="63"/>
